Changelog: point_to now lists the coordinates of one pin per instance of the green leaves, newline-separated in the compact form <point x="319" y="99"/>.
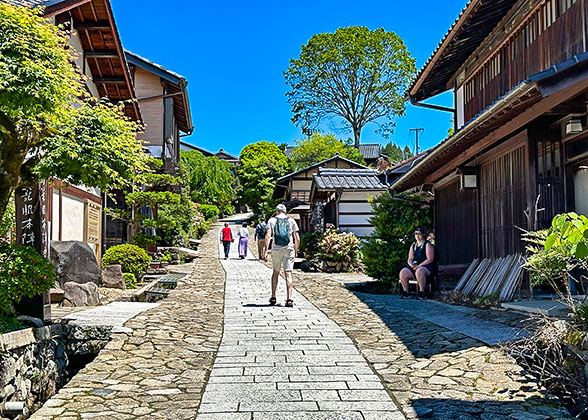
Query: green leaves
<point x="354" y="74"/>
<point x="319" y="147"/>
<point x="569" y="233"/>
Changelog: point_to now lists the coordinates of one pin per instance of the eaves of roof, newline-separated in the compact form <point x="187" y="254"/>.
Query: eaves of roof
<point x="539" y="85"/>
<point x="319" y="164"/>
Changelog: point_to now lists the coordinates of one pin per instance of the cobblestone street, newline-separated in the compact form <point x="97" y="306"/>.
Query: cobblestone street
<point x="215" y="349"/>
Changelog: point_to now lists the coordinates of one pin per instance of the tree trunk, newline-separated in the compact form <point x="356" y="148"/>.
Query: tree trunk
<point x="356" y="135"/>
<point x="10" y="166"/>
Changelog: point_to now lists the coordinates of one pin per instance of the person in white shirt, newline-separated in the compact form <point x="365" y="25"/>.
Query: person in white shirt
<point x="283" y="234"/>
<point x="243" y="234"/>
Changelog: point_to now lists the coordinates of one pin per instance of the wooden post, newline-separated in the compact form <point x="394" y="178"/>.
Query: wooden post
<point x="32" y="230"/>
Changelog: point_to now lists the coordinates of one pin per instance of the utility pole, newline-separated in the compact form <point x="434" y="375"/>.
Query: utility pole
<point x="416" y="142"/>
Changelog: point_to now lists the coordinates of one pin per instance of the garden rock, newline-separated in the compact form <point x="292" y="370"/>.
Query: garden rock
<point x="74" y="262"/>
<point x="112" y="277"/>
<point x="80" y="294"/>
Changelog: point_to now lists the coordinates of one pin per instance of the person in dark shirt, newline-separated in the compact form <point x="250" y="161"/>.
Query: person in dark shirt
<point x="421" y="264"/>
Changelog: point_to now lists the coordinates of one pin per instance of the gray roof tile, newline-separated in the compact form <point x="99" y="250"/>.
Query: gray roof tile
<point x="347" y="179"/>
<point x="26" y="3"/>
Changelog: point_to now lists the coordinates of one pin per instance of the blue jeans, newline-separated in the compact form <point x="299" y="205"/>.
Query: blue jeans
<point x="227" y="246"/>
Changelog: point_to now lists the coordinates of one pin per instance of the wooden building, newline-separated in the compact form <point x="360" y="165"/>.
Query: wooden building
<point x="341" y="197"/>
<point x="294" y="189"/>
<point x="75" y="212"/>
<point x="519" y="73"/>
<point x="370" y="152"/>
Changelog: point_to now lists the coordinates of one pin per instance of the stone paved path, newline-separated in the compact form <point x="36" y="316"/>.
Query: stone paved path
<point x="335" y="355"/>
<point x="282" y="363"/>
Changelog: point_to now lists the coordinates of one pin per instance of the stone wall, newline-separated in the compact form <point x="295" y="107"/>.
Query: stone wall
<point x="32" y="366"/>
<point x="34" y="361"/>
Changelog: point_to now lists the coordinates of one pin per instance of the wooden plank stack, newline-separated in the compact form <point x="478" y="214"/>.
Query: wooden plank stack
<point x="488" y="276"/>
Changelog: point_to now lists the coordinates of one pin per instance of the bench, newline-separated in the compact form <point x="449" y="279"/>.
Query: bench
<point x="448" y="270"/>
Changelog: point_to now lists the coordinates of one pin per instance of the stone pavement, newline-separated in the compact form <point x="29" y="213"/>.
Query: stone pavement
<point x="115" y="315"/>
<point x="160" y="368"/>
<point x="285" y="363"/>
<point x="335" y="355"/>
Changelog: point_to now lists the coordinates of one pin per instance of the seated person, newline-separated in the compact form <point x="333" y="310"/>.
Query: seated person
<point x="421" y="264"/>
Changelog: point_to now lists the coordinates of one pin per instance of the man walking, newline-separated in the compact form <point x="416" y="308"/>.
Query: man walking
<point x="226" y="237"/>
<point x="286" y="240"/>
<point x="260" y="231"/>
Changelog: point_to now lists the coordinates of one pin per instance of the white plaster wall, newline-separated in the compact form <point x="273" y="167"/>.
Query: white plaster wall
<point x="55" y="217"/>
<point x="359" y="196"/>
<point x="355" y="207"/>
<point x="301" y="185"/>
<point x="460" y="107"/>
<point x="581" y="191"/>
<point x="360" y="232"/>
<point x="73" y="219"/>
<point x="354" y="219"/>
<point x="75" y="43"/>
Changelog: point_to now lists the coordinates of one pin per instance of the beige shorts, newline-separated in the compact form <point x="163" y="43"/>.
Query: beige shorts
<point x="283" y="257"/>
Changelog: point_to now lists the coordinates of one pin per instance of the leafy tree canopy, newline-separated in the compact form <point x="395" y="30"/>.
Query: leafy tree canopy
<point x="319" y="147"/>
<point x="395" y="153"/>
<point x="260" y="164"/>
<point x="47" y="126"/>
<point x="210" y="180"/>
<point x="354" y="74"/>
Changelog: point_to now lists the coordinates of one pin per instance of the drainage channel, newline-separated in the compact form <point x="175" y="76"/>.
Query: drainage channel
<point x="36" y="362"/>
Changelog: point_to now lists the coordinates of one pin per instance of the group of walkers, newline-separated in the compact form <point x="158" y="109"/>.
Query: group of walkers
<point x="279" y="237"/>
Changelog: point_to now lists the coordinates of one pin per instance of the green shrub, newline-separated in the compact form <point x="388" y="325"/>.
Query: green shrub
<point x="385" y="251"/>
<point x="209" y="211"/>
<point x="130" y="280"/>
<point x="144" y="240"/>
<point x="310" y="244"/>
<point x="165" y="256"/>
<point x="131" y="258"/>
<point x="23" y="273"/>
<point x="202" y="228"/>
<point x="8" y="323"/>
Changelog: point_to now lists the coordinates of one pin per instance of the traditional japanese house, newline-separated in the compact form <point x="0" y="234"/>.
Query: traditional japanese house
<point x="341" y="197"/>
<point x="370" y="152"/>
<point x="75" y="212"/>
<point x="519" y="73"/>
<point x="294" y="189"/>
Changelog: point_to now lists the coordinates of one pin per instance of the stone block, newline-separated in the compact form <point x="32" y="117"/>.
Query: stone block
<point x="112" y="277"/>
<point x="74" y="262"/>
<point x="56" y="294"/>
<point x="77" y="294"/>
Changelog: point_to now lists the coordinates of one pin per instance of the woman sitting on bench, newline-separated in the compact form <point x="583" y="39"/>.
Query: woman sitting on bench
<point x="422" y="263"/>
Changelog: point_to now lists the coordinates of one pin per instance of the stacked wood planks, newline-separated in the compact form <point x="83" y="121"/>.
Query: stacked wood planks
<point x="488" y="276"/>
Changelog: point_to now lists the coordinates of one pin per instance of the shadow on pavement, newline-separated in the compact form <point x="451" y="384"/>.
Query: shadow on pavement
<point x="448" y="409"/>
<point x="421" y="337"/>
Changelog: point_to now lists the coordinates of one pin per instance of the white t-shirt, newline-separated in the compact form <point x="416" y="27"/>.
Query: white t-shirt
<point x="243" y="232"/>
<point x="293" y="228"/>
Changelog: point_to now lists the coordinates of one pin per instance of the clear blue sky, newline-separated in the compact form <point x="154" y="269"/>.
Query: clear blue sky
<point x="233" y="53"/>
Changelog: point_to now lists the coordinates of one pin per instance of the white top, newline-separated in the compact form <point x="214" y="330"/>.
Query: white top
<point x="293" y="228"/>
<point x="243" y="232"/>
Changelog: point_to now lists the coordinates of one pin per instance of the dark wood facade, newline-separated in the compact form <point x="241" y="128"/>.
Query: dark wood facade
<point x="525" y="95"/>
<point x="530" y="39"/>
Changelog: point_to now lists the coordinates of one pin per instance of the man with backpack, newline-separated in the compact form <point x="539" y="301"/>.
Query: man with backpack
<point x="260" y="232"/>
<point x="286" y="240"/>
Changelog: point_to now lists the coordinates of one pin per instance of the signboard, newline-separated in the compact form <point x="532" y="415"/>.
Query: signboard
<point x="93" y="218"/>
<point x="32" y="230"/>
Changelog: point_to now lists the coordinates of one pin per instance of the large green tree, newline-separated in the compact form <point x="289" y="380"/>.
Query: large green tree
<point x="354" y="74"/>
<point x="260" y="164"/>
<point x="319" y="147"/>
<point x="210" y="179"/>
<point x="47" y="125"/>
<point x="395" y="153"/>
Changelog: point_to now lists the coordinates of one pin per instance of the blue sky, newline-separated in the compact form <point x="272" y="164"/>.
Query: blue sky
<point x="233" y="53"/>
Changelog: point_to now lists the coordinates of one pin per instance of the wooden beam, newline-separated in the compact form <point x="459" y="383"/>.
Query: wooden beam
<point x="92" y="25"/>
<point x="109" y="80"/>
<point x="63" y="6"/>
<point x="101" y="54"/>
<point x="510" y="127"/>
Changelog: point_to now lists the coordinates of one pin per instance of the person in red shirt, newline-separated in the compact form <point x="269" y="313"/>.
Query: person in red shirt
<point x="226" y="237"/>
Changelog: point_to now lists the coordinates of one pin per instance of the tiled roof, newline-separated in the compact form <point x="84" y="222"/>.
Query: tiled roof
<point x="347" y="179"/>
<point x="367" y="151"/>
<point x="370" y="151"/>
<point x="337" y="156"/>
<point x="26" y="3"/>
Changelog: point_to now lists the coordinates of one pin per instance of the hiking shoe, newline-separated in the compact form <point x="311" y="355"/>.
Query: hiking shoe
<point x="421" y="296"/>
<point x="404" y="295"/>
